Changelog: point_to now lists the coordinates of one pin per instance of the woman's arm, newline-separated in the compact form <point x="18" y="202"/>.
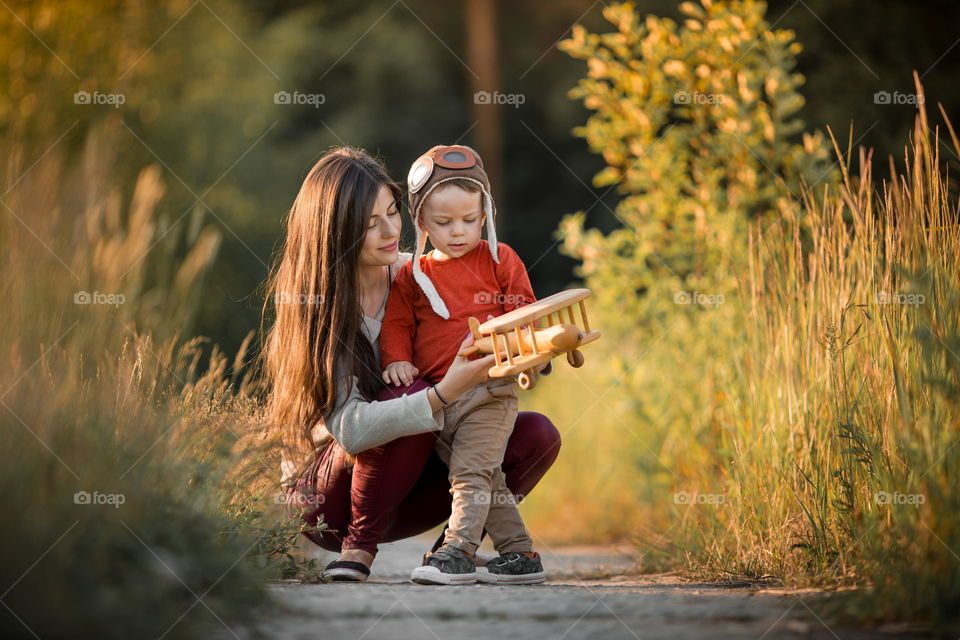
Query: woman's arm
<point x="359" y="424"/>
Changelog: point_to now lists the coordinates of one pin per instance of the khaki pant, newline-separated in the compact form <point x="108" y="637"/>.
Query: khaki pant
<point x="477" y="426"/>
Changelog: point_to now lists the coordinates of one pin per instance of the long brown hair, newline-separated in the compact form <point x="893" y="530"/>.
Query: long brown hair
<point x="316" y="339"/>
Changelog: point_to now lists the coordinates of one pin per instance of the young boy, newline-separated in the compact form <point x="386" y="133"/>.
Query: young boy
<point x="426" y="317"/>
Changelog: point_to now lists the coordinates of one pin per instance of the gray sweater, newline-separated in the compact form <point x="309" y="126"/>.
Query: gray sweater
<point x="358" y="424"/>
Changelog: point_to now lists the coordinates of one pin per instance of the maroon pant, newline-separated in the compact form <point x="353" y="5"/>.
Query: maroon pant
<point x="401" y="489"/>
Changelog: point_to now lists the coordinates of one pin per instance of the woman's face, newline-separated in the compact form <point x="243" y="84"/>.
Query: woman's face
<point x="380" y="246"/>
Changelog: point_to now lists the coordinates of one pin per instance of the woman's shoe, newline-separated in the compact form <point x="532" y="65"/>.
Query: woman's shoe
<point x="512" y="568"/>
<point x="447" y="565"/>
<point x="346" y="571"/>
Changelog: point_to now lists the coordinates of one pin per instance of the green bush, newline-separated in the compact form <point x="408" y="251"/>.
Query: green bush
<point x="697" y="126"/>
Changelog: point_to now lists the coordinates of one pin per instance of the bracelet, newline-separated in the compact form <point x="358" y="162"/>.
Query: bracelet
<point x="439" y="397"/>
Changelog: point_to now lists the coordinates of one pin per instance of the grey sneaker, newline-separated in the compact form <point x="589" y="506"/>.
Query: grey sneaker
<point x="446" y="565"/>
<point x="512" y="568"/>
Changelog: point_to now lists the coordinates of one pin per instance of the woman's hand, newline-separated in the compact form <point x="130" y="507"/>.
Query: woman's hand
<point x="464" y="374"/>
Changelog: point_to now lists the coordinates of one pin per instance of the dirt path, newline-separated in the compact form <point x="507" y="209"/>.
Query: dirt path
<point x="586" y="596"/>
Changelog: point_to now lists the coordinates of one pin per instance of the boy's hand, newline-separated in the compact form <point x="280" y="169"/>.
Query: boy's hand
<point x="400" y="372"/>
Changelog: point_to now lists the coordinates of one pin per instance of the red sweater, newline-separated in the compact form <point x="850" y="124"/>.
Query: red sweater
<point x="473" y="285"/>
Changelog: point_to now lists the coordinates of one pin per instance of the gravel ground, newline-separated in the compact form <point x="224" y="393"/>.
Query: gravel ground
<point x="589" y="593"/>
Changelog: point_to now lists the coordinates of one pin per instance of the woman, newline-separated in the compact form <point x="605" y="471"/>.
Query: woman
<point x="326" y="393"/>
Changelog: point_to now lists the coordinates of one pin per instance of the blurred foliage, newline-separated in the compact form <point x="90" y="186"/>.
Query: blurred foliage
<point x="778" y="377"/>
<point x="142" y="480"/>
<point x="697" y="126"/>
<point x="198" y="81"/>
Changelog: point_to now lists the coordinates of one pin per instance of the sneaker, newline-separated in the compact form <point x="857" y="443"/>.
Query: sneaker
<point x="479" y="559"/>
<point x="447" y="565"/>
<point x="346" y="571"/>
<point x="512" y="568"/>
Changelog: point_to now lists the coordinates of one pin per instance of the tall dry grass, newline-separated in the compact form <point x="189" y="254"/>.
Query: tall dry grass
<point x="804" y="430"/>
<point x="138" y="485"/>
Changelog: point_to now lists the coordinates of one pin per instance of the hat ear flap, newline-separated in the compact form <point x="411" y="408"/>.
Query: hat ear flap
<point x="489" y="211"/>
<point x="426" y="285"/>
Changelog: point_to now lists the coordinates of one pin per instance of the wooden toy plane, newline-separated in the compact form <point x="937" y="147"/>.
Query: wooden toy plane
<point x="518" y="345"/>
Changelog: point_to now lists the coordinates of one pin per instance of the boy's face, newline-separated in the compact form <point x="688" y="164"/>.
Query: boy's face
<point x="453" y="218"/>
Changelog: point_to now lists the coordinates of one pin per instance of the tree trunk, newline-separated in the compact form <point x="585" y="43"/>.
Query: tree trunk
<point x="483" y="60"/>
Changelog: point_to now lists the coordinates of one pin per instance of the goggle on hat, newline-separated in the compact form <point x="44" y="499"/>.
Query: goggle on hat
<point x="442" y="164"/>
